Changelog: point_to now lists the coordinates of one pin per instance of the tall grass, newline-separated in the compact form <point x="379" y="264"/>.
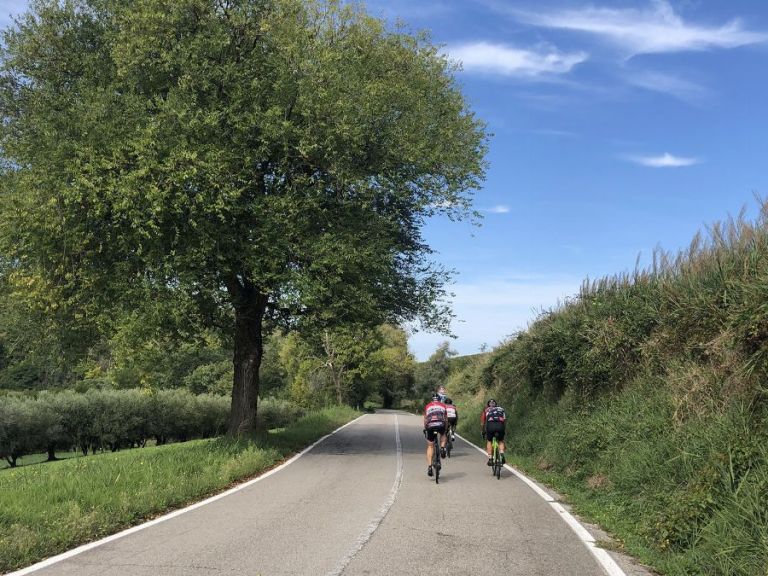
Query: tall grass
<point x="643" y="399"/>
<point x="45" y="510"/>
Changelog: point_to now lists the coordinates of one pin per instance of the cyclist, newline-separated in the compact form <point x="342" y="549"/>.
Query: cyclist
<point x="493" y="421"/>
<point x="453" y="417"/>
<point x="435" y="422"/>
<point x="442" y="394"/>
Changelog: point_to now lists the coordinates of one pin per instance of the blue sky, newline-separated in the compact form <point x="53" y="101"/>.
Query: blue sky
<point x="618" y="126"/>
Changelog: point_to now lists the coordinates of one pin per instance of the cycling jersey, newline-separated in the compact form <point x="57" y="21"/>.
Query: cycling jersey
<point x="493" y="414"/>
<point x="451" y="412"/>
<point x="434" y="415"/>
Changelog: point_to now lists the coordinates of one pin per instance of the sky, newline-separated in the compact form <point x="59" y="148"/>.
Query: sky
<point x="617" y="127"/>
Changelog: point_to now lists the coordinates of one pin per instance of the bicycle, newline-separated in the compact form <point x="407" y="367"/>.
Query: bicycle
<point x="495" y="458"/>
<point x="448" y="444"/>
<point x="436" y="457"/>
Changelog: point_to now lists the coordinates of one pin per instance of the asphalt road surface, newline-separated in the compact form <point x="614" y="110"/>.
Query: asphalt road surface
<point x="358" y="503"/>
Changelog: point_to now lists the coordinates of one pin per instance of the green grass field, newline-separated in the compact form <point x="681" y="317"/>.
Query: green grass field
<point x="50" y="508"/>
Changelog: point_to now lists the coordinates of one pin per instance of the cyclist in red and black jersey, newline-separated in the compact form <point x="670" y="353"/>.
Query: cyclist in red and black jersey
<point x="453" y="417"/>
<point x="493" y="422"/>
<point x="435" y="422"/>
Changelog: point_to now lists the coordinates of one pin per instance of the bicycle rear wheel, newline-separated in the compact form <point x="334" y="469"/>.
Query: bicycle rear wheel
<point x="436" y="460"/>
<point x="495" y="460"/>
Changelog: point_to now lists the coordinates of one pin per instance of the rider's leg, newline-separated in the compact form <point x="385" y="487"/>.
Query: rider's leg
<point x="489" y="448"/>
<point x="429" y="453"/>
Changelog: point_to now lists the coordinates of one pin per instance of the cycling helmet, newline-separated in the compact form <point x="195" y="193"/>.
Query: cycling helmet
<point x="436" y="398"/>
<point x="448" y="401"/>
<point x="491" y="402"/>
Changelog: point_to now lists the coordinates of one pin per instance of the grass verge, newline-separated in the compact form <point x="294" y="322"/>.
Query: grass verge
<point x="46" y="510"/>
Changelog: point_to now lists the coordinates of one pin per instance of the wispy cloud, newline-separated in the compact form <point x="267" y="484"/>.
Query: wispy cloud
<point x="666" y="160"/>
<point x="668" y="84"/>
<point x="499" y="209"/>
<point x="486" y="57"/>
<point x="555" y="133"/>
<point x="653" y="29"/>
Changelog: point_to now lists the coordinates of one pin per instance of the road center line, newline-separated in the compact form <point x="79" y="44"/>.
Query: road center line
<point x="368" y="532"/>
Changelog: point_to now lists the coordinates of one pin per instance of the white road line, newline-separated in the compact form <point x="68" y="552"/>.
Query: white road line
<point x="85" y="547"/>
<point x="366" y="535"/>
<point x="604" y="559"/>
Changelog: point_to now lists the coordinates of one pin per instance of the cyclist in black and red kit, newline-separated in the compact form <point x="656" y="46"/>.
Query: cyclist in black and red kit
<point x="453" y="414"/>
<point x="453" y="417"/>
<point x="435" y="422"/>
<point x="493" y="421"/>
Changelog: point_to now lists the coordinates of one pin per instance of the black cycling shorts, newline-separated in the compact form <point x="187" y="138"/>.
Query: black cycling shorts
<point x="492" y="428"/>
<point x="431" y="433"/>
<point x="452" y="422"/>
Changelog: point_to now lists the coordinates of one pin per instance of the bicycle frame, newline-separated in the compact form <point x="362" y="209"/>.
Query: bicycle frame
<point x="436" y="457"/>
<point x="496" y="468"/>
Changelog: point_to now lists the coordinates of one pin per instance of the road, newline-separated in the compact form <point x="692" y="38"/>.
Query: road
<point x="358" y="503"/>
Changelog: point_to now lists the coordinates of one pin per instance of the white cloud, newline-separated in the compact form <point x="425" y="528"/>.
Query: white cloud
<point x="500" y="209"/>
<point x="668" y="84"/>
<point x="653" y="29"/>
<point x="488" y="310"/>
<point x="666" y="160"/>
<point x="555" y="133"/>
<point x="509" y="61"/>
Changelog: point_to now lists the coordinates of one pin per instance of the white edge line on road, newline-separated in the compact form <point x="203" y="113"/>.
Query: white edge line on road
<point x="604" y="559"/>
<point x="374" y="524"/>
<point x="85" y="547"/>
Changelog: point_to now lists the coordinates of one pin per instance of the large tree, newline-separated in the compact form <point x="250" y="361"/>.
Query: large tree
<point x="273" y="159"/>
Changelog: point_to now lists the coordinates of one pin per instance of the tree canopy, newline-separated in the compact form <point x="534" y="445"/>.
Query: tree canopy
<point x="271" y="160"/>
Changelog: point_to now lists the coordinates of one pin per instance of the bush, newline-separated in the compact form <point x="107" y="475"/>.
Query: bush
<point x="275" y="413"/>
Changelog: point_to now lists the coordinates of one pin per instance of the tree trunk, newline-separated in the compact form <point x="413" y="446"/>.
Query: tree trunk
<point x="249" y="306"/>
<point x="51" y="454"/>
<point x="339" y="385"/>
